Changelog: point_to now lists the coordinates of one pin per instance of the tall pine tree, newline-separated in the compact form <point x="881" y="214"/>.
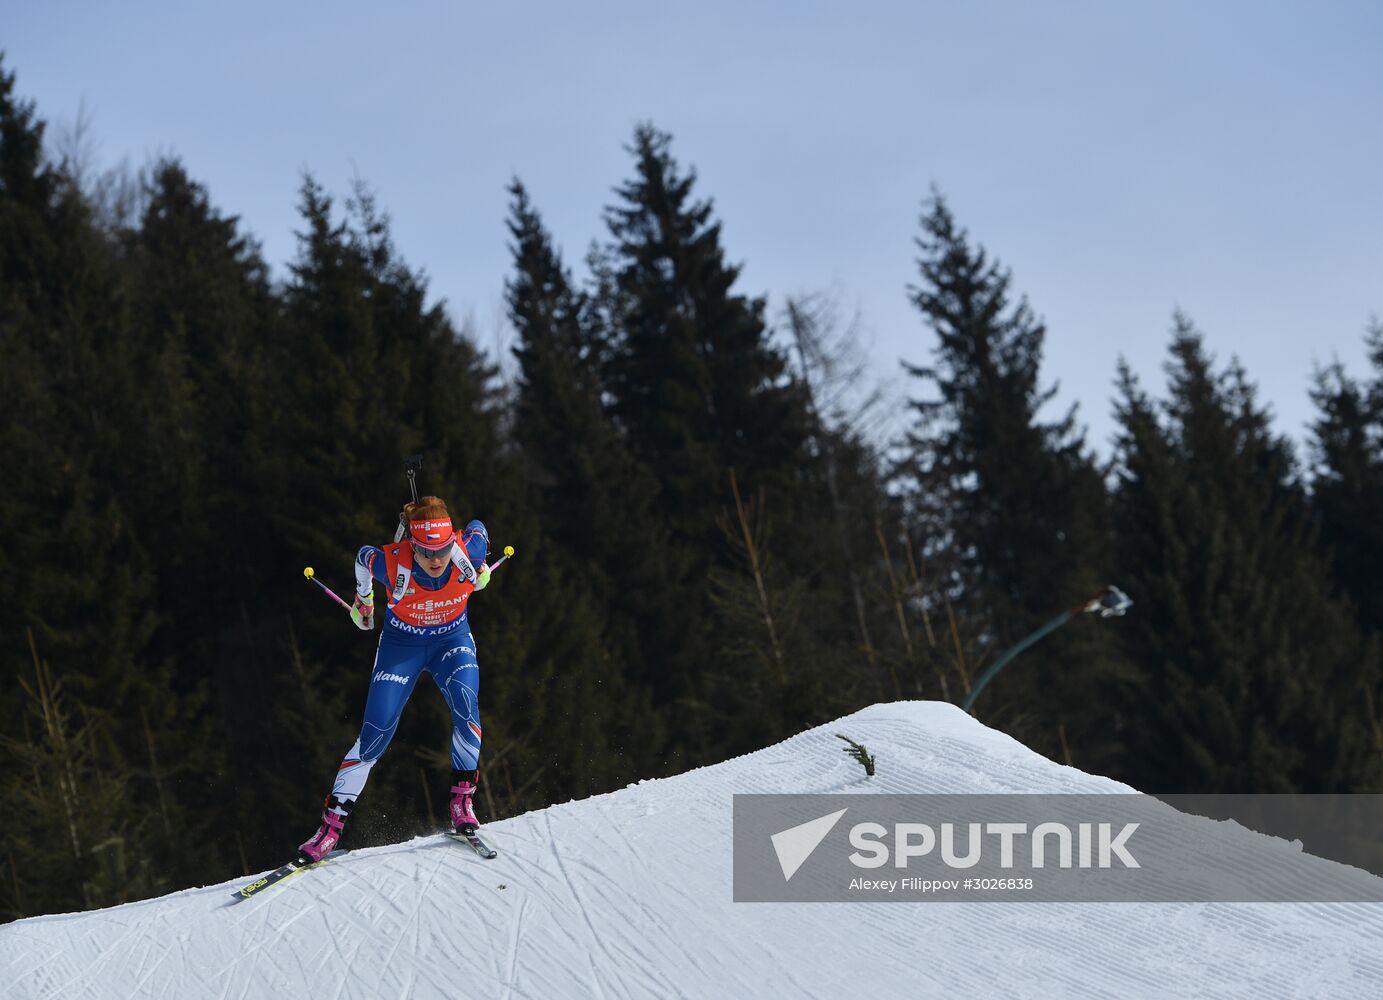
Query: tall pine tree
<point x="693" y="375"/>
<point x="1347" y="484"/>
<point x="1252" y="677"/>
<point x="594" y="499"/>
<point x="81" y="590"/>
<point x="695" y="383"/>
<point x="1010" y="506"/>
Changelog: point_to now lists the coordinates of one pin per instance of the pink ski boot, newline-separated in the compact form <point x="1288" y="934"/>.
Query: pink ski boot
<point x="462" y="812"/>
<point x="329" y="834"/>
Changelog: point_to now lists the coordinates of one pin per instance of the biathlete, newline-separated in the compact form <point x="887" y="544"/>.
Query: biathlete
<point x="429" y="574"/>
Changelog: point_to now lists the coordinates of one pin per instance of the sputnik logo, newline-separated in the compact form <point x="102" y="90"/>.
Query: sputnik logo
<point x="796" y="844"/>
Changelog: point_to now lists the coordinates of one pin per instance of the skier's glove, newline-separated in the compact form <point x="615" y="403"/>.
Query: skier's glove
<point x="363" y="611"/>
<point x="482" y="579"/>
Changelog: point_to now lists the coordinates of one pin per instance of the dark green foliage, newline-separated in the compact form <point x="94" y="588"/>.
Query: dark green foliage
<point x="666" y="446"/>
<point x="594" y="498"/>
<point x="1011" y="507"/>
<point x="1252" y="677"/>
<point x="201" y="315"/>
<point x="59" y="776"/>
<point x="709" y="557"/>
<point x="1347" y="486"/>
<point x="76" y="428"/>
<point x="692" y="375"/>
<point x="593" y="502"/>
<point x="859" y="752"/>
<point x="703" y="398"/>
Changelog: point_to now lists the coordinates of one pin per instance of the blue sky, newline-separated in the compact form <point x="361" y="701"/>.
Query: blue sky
<point x="1122" y="160"/>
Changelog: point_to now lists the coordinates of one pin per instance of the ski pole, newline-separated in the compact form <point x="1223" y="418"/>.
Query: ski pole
<point x="308" y="573"/>
<point x="508" y="551"/>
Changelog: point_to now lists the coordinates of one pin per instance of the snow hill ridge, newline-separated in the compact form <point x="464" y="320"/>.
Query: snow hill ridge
<point x="629" y="895"/>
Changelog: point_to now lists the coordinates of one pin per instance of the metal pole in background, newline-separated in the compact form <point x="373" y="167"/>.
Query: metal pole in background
<point x="1110" y="604"/>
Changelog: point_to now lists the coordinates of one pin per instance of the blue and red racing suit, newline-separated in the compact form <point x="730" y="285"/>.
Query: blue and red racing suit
<point x="425" y="631"/>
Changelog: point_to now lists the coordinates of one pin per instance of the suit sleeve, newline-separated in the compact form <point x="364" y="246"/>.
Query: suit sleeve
<point x="369" y="566"/>
<point x="476" y="541"/>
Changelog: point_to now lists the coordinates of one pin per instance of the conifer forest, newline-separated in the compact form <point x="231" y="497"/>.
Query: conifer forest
<point x="712" y="553"/>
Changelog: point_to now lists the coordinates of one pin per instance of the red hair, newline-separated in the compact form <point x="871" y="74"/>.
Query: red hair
<point x="427" y="509"/>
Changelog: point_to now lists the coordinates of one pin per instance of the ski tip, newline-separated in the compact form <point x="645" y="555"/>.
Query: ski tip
<point x="473" y="841"/>
<point x="246" y="891"/>
<point x="299" y="864"/>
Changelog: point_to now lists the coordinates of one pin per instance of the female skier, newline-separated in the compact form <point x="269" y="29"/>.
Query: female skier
<point x="430" y="574"/>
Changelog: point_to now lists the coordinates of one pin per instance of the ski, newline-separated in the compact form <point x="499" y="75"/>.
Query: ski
<point x="276" y="876"/>
<point x="473" y="839"/>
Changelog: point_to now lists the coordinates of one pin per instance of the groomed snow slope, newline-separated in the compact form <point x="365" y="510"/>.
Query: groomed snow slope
<point x="629" y="895"/>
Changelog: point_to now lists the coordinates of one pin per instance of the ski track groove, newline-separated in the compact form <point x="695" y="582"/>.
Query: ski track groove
<point x="515" y="942"/>
<point x="596" y="982"/>
<point x="415" y="939"/>
<point x="685" y="895"/>
<point x="264" y="938"/>
<point x="164" y="951"/>
<point x="424" y="967"/>
<point x="324" y="957"/>
<point x="39" y="961"/>
<point x="182" y="958"/>
<point x="143" y="960"/>
<point x="628" y="946"/>
<point x="254" y="952"/>
<point x="104" y="955"/>
<point x="542" y="881"/>
<point x="416" y="915"/>
<point x="348" y="882"/>
<point x="346" y="964"/>
<point x="631" y="940"/>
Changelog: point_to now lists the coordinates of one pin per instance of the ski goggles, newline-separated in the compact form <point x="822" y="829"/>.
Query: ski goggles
<point x="431" y="539"/>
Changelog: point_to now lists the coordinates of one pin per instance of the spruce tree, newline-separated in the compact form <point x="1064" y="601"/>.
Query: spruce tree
<point x="595" y="495"/>
<point x="59" y="778"/>
<point x="82" y="581"/>
<point x="1251" y="676"/>
<point x="696" y="384"/>
<point x="594" y="499"/>
<point x="1347" y="481"/>
<point x="693" y="375"/>
<point x="204" y="322"/>
<point x="1011" y="506"/>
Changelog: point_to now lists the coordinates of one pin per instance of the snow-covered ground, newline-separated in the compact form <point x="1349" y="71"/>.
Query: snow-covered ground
<point x="629" y="895"/>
